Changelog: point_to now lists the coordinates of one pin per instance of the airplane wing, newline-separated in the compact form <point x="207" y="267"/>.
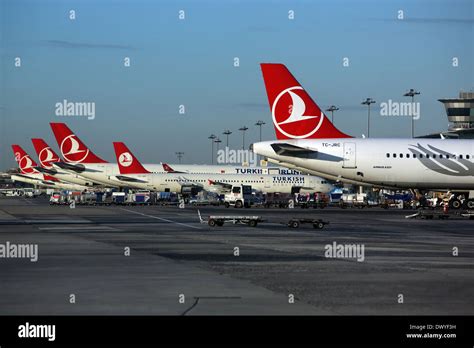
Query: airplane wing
<point x="130" y="179"/>
<point x="221" y="184"/>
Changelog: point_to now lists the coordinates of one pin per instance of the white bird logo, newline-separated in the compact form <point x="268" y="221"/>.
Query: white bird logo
<point x="297" y="114"/>
<point x="45" y="162"/>
<point x="297" y="111"/>
<point x="125" y="159"/>
<point x="74" y="149"/>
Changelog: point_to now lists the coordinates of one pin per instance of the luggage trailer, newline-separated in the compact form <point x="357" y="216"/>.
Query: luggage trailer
<point x="253" y="220"/>
<point x="219" y="220"/>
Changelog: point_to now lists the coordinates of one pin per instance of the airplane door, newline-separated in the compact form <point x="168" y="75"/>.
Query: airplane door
<point x="268" y="181"/>
<point x="349" y="155"/>
<point x="108" y="171"/>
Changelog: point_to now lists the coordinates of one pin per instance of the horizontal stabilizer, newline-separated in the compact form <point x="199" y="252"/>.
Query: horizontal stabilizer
<point x="46" y="171"/>
<point x="285" y="149"/>
<point x="78" y="168"/>
<point x="129" y="179"/>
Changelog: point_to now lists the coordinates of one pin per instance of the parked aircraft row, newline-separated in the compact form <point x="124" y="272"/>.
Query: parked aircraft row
<point x="309" y="142"/>
<point x="80" y="168"/>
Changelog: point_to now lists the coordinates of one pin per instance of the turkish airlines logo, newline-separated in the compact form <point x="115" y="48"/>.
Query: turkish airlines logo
<point x="25" y="163"/>
<point x="72" y="151"/>
<point x="46" y="157"/>
<point x="126" y="159"/>
<point x="289" y="114"/>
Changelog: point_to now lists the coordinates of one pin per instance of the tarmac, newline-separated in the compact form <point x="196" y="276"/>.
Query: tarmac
<point x="178" y="266"/>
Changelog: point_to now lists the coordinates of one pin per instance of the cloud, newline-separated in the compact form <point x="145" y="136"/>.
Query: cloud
<point x="70" y="44"/>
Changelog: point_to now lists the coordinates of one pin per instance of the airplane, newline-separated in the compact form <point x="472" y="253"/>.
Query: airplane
<point x="80" y="160"/>
<point x="224" y="169"/>
<point x="309" y="142"/>
<point x="136" y="175"/>
<point x="28" y="173"/>
<point x="47" y="157"/>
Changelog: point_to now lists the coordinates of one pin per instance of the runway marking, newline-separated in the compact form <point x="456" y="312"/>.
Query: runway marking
<point x="162" y="219"/>
<point x="57" y="221"/>
<point x="77" y="228"/>
<point x="28" y="201"/>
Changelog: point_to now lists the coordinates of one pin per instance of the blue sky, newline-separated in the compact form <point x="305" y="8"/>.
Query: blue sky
<point x="190" y="62"/>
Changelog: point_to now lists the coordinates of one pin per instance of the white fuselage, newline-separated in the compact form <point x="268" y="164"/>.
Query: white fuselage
<point x="38" y="180"/>
<point x="438" y="164"/>
<point x="71" y="178"/>
<point x="106" y="173"/>
<point x="217" y="182"/>
<point x="33" y="179"/>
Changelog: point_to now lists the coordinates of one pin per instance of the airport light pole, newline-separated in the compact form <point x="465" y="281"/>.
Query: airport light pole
<point x="180" y="155"/>
<point x="212" y="137"/>
<point x="243" y="129"/>
<point x="260" y="123"/>
<point x="332" y="108"/>
<point x="217" y="141"/>
<point x="227" y="133"/>
<point x="411" y="93"/>
<point x="367" y="102"/>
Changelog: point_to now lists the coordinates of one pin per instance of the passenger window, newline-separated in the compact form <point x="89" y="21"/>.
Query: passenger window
<point x="467" y="156"/>
<point x="388" y="155"/>
<point x="394" y="155"/>
<point x="460" y="156"/>
<point x="401" y="155"/>
<point x="414" y="155"/>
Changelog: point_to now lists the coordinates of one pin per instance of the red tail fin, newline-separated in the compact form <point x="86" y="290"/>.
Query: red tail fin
<point x="46" y="155"/>
<point x="72" y="148"/>
<point x="127" y="162"/>
<point x="167" y="168"/>
<point x="295" y="115"/>
<point x="25" y="162"/>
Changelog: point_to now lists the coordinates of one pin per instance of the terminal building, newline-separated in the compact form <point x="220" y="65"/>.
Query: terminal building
<point x="460" y="112"/>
